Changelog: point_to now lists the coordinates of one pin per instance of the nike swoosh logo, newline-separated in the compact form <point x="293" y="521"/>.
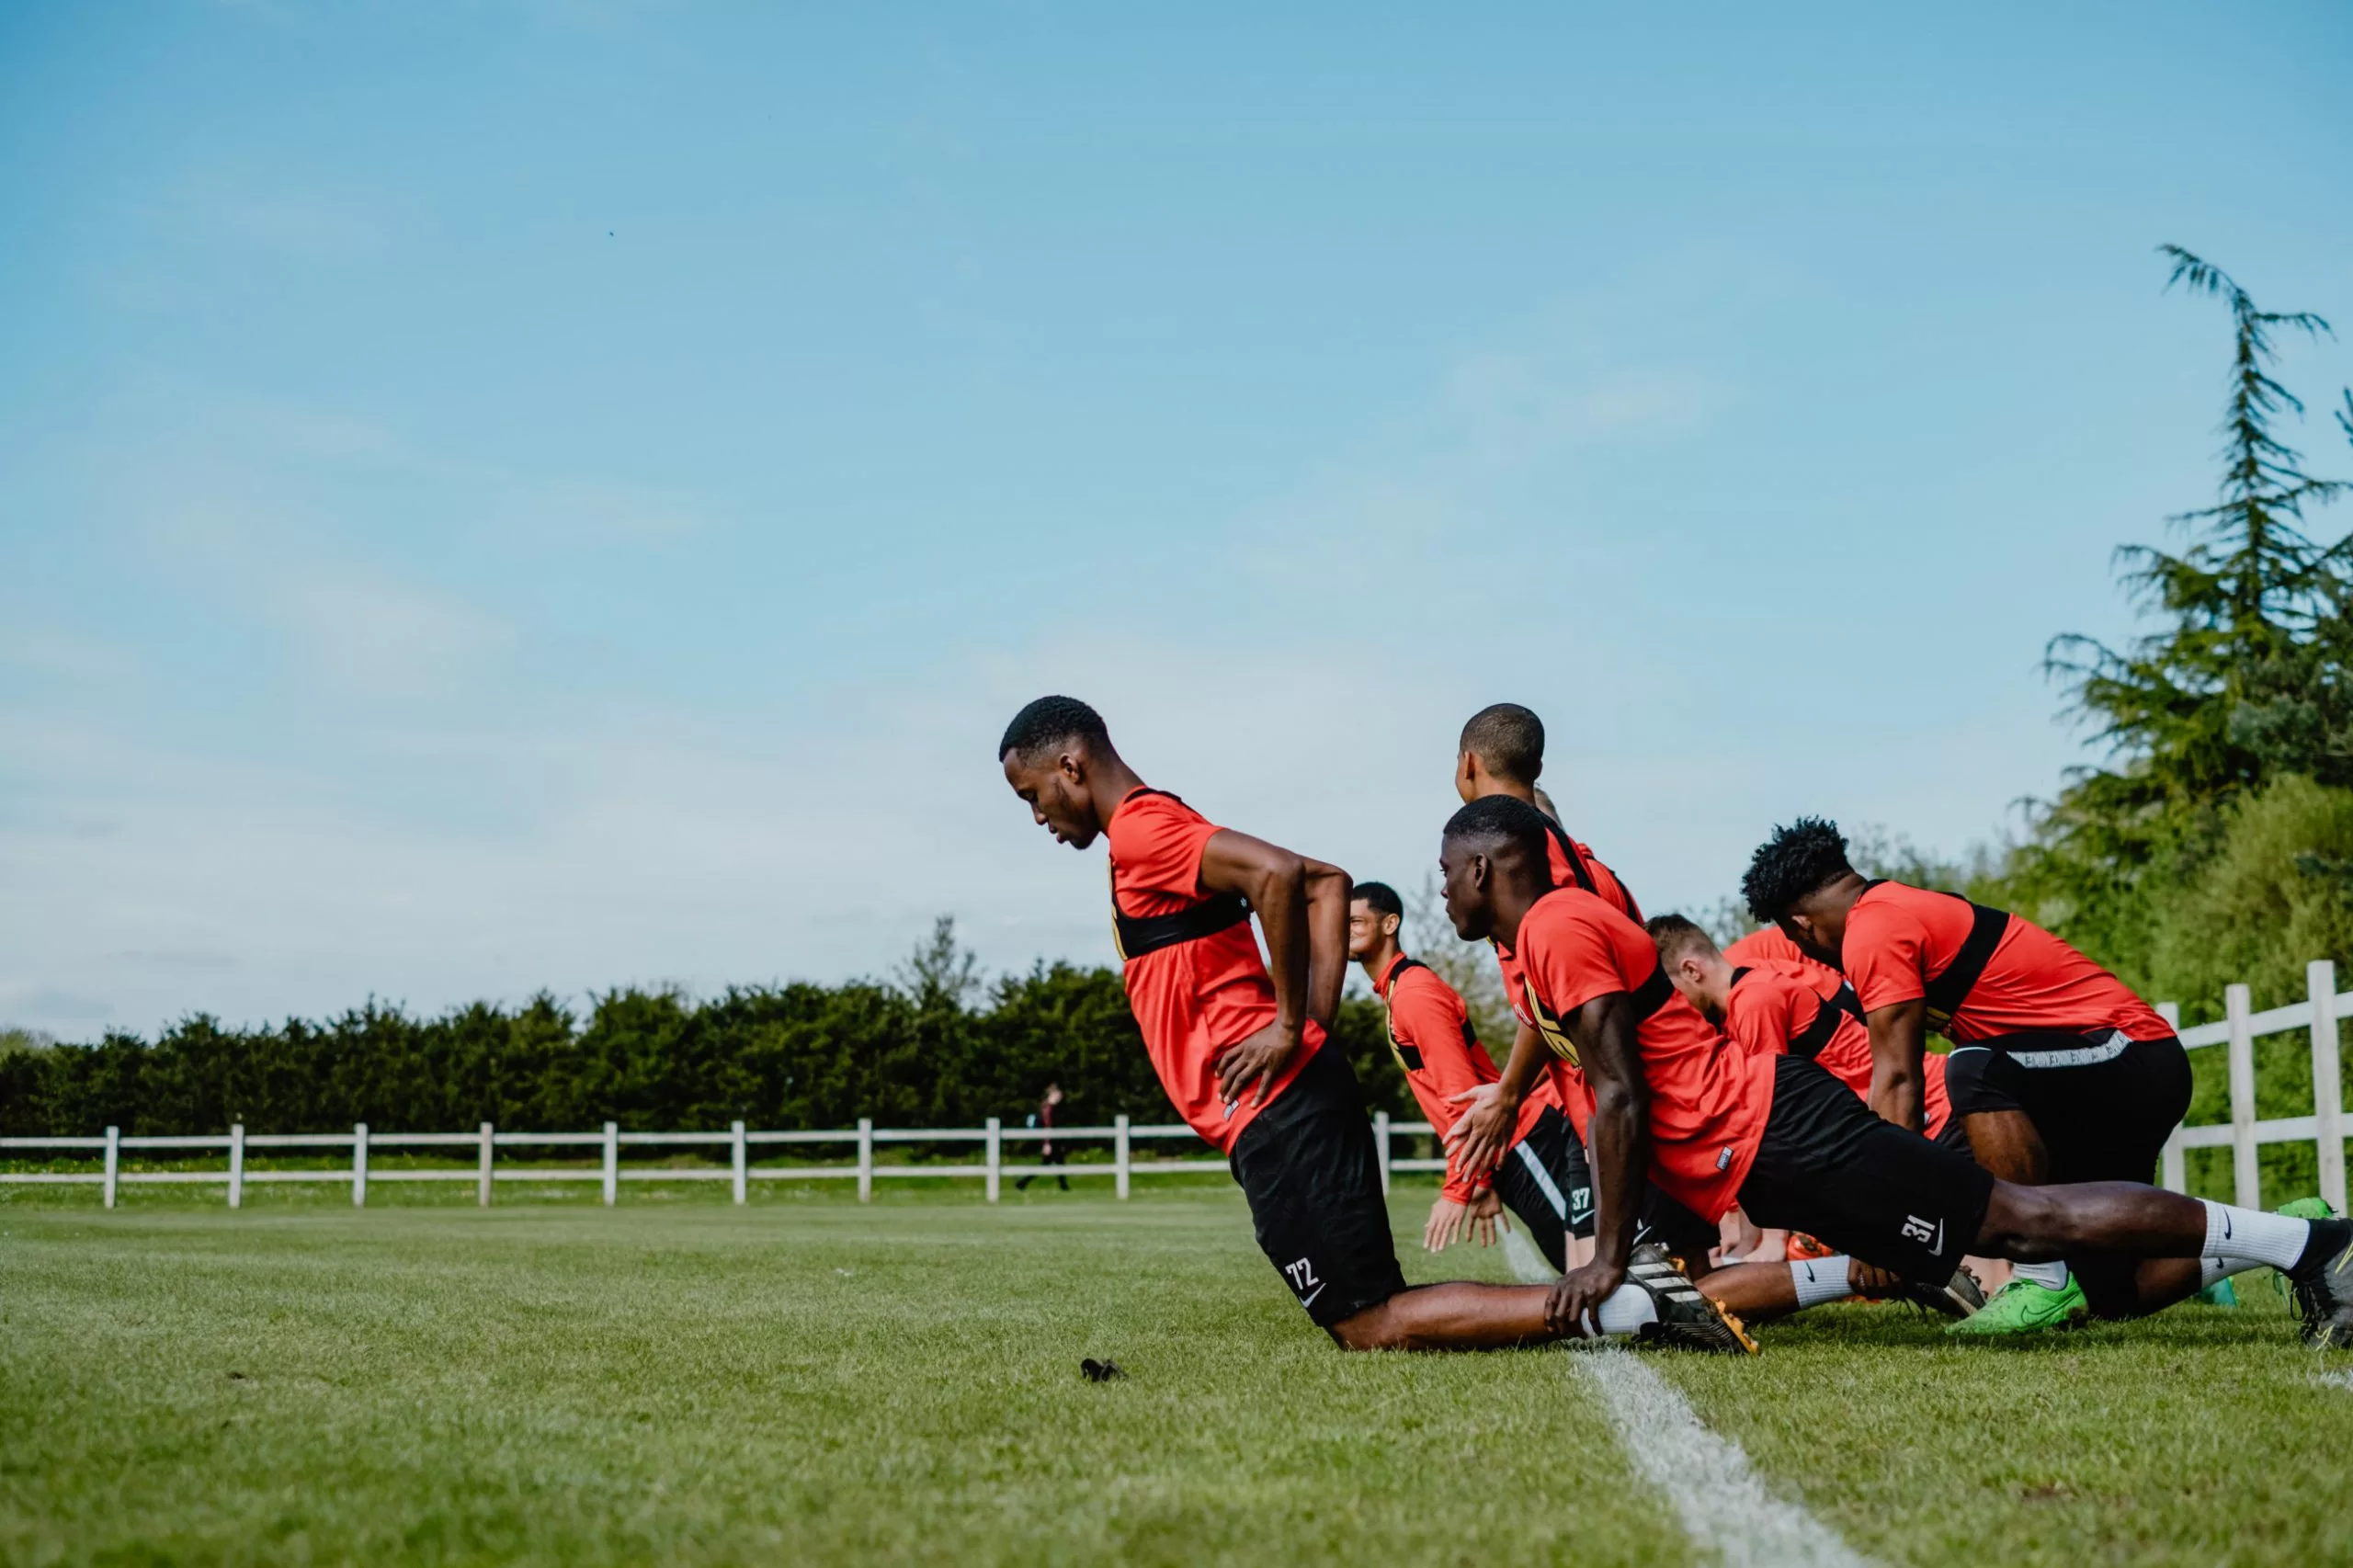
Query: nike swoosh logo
<point x="2226" y="1226"/>
<point x="1309" y="1300"/>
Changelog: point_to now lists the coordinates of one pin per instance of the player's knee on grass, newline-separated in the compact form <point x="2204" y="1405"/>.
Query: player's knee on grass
<point x="1373" y="1328"/>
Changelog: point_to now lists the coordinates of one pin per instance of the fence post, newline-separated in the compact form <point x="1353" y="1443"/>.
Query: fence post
<point x="612" y="1163"/>
<point x="2246" y="1173"/>
<point x="996" y="1142"/>
<point x="2173" y="1165"/>
<point x="237" y="1165"/>
<point x="1381" y="1141"/>
<point x="865" y="1159"/>
<point x="1119" y="1160"/>
<point x="482" y="1179"/>
<point x="114" y="1162"/>
<point x="737" y="1132"/>
<point x="359" y="1165"/>
<point x="2328" y="1093"/>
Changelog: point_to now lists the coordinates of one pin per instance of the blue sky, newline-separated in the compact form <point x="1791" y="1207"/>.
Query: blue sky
<point x="561" y="494"/>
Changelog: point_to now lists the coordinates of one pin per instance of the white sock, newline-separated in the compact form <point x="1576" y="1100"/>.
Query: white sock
<point x="2214" y="1270"/>
<point x="1820" y="1279"/>
<point x="2051" y="1275"/>
<point x="2251" y="1236"/>
<point x="1629" y="1307"/>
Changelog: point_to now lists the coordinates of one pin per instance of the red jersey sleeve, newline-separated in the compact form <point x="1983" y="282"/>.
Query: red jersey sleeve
<point x="1157" y="843"/>
<point x="1573" y="953"/>
<point x="1426" y="1015"/>
<point x="1885" y="954"/>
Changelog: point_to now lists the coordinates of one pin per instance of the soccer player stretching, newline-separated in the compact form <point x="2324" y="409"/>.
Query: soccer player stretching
<point x="1543" y="1175"/>
<point x="2058" y="1072"/>
<point x="1783" y="1139"/>
<point x="1239" y="1045"/>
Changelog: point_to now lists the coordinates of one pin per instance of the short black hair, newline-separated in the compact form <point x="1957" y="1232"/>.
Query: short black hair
<point x="1381" y="897"/>
<point x="1675" y="934"/>
<point x="1502" y="819"/>
<point x="1049" y="722"/>
<point x="1808" y="854"/>
<point x="1509" y="739"/>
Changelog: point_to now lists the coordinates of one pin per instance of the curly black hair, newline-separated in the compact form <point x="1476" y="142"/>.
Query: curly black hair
<point x="1501" y="820"/>
<point x="1809" y="854"/>
<point x="1380" y="896"/>
<point x="1049" y="722"/>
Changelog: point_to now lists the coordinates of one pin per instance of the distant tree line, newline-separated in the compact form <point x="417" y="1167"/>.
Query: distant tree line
<point x="932" y="1047"/>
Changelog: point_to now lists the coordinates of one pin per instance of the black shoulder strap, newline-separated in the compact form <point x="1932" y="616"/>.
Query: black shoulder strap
<point x="1653" y="994"/>
<point x="1136" y="935"/>
<point x="1577" y="866"/>
<point x="1808" y="1042"/>
<point x="1409" y="1057"/>
<point x="1949" y="990"/>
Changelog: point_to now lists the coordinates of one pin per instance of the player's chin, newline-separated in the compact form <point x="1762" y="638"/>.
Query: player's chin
<point x="1078" y="838"/>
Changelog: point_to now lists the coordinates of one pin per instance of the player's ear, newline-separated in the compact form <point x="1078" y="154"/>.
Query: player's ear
<point x="1071" y="766"/>
<point x="1390" y="924"/>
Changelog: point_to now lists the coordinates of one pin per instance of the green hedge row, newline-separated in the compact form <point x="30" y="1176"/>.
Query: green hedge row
<point x="777" y="1057"/>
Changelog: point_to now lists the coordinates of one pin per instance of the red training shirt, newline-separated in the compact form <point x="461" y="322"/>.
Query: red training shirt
<point x="1772" y="942"/>
<point x="1773" y="1003"/>
<point x="1430" y="1034"/>
<point x="1708" y="1098"/>
<point x="1900" y="937"/>
<point x="1193" y="999"/>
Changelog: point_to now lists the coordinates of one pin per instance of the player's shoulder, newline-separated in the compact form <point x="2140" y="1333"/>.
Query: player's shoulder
<point x="1415" y="980"/>
<point x="1569" y="912"/>
<point x="1150" y="811"/>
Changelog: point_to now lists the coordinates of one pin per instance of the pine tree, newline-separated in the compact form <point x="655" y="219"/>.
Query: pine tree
<point x="2245" y="679"/>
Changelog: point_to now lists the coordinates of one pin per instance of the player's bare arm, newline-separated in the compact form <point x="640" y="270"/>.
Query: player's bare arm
<point x="1278" y="884"/>
<point x="1618" y="1139"/>
<point x="1899" y="1041"/>
<point x="1483" y="1136"/>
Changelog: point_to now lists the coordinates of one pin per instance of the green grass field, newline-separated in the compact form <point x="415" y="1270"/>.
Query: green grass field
<point x="811" y="1380"/>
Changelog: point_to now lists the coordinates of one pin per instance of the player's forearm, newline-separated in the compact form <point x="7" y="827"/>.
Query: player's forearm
<point x="1280" y="895"/>
<point x="1899" y="1044"/>
<point x="1524" y="1067"/>
<point x="1618" y="1135"/>
<point x="1327" y="888"/>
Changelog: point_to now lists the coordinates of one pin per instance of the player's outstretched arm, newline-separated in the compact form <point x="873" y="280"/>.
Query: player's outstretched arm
<point x="1275" y="882"/>
<point x="1899" y="1041"/>
<point x="1481" y="1137"/>
<point x="1618" y="1140"/>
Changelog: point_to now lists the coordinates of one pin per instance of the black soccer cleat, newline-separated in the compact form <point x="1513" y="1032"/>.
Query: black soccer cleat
<point x="2322" y="1282"/>
<point x="1687" y="1319"/>
<point x="1959" y="1297"/>
<point x="1100" y="1371"/>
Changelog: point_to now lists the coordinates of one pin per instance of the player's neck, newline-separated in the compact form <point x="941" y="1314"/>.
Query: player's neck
<point x="1512" y="904"/>
<point x="1377" y="962"/>
<point x="1497" y="785"/>
<point x="1111" y="781"/>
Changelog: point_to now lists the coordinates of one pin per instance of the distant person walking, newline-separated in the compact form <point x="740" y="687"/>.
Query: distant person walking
<point x="1048" y="1154"/>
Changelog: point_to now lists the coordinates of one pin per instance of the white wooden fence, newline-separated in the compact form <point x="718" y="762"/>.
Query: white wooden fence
<point x="2243" y="1134"/>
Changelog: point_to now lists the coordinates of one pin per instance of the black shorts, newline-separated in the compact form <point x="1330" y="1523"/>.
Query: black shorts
<point x="1308" y="1167"/>
<point x="1829" y="1168"/>
<point x="1548" y="1182"/>
<point x="2104" y="1105"/>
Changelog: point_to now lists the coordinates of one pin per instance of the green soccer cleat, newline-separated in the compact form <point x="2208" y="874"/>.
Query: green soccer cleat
<point x="1687" y="1319"/>
<point x="2220" y="1293"/>
<point x="2323" y="1285"/>
<point x="2307" y="1209"/>
<point x="2024" y="1307"/>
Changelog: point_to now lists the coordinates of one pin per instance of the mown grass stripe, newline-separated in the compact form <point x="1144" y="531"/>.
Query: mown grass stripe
<point x="1724" y="1506"/>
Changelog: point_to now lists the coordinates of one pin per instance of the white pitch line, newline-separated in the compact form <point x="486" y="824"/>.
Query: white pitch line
<point x="1724" y="1506"/>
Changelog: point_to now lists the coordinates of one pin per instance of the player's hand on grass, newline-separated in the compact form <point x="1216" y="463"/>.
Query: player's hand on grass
<point x="1256" y="1062"/>
<point x="1874" y="1282"/>
<point x="1447" y="1220"/>
<point x="1485" y="1215"/>
<point x="1482" y="1136"/>
<point x="1575" y="1302"/>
